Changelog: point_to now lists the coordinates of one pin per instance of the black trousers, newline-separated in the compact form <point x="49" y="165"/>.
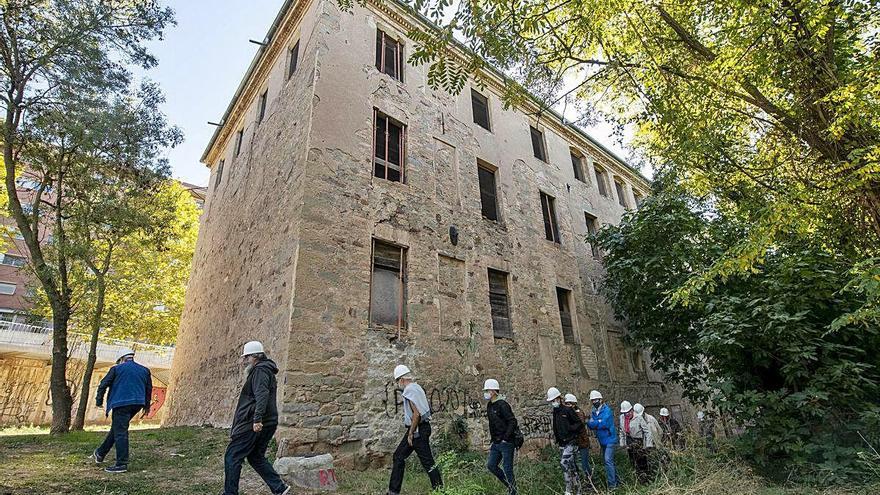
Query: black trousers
<point x="118" y="434"/>
<point x="252" y="446"/>
<point x="422" y="447"/>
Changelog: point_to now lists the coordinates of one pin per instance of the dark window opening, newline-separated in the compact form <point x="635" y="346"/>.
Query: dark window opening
<point x="621" y="193"/>
<point x="538" y="144"/>
<point x="388" y="285"/>
<point x="600" y="181"/>
<point x="261" y="111"/>
<point x="578" y="165"/>
<point x="499" y="303"/>
<point x="389" y="55"/>
<point x="480" y="107"/>
<point x="488" y="192"/>
<point x="238" y="139"/>
<point x="388" y="148"/>
<point x="548" y="210"/>
<point x="639" y="199"/>
<point x="563" y="298"/>
<point x="592" y="229"/>
<point x="293" y="59"/>
<point x="219" y="177"/>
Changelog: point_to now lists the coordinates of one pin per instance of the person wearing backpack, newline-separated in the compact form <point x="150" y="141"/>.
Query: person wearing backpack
<point x="503" y="430"/>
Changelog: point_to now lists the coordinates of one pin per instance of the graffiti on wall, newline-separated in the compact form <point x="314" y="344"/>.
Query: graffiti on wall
<point x="443" y="400"/>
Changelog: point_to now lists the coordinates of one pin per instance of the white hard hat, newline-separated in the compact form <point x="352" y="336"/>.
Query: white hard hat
<point x="553" y="393"/>
<point x="252" y="347"/>
<point x="571" y="398"/>
<point x="595" y="394"/>
<point x="124" y="352"/>
<point x="491" y="384"/>
<point x="638" y="409"/>
<point x="400" y="370"/>
<point x="664" y="411"/>
<point x="625" y="406"/>
<point x="700" y="415"/>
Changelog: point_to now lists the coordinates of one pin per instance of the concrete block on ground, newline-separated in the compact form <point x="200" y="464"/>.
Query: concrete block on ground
<point x="312" y="472"/>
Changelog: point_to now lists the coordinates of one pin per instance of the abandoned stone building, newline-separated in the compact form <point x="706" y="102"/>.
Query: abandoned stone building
<point x="358" y="218"/>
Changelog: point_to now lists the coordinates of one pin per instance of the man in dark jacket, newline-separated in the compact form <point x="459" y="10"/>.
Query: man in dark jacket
<point x="502" y="427"/>
<point x="255" y="421"/>
<point x="131" y="388"/>
<point x="566" y="429"/>
<point x="672" y="434"/>
<point x="583" y="439"/>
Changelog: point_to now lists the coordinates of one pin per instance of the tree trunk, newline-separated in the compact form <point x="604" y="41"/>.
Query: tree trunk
<point x="58" y="387"/>
<point x="97" y="317"/>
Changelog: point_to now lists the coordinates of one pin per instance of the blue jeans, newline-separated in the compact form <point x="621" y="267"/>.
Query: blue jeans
<point x="118" y="434"/>
<point x="610" y="470"/>
<point x="585" y="461"/>
<point x="502" y="452"/>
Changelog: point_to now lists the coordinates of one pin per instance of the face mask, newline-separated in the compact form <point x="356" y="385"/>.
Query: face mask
<point x="596" y="404"/>
<point x="555" y="405"/>
<point x="487" y="396"/>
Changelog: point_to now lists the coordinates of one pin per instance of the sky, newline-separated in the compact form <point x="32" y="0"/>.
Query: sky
<point x="202" y="61"/>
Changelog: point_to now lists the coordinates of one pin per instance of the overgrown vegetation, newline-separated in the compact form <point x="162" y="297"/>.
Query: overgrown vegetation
<point x="190" y="460"/>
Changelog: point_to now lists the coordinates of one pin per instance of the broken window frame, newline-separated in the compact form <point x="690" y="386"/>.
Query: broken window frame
<point x="482" y="168"/>
<point x="499" y="306"/>
<point x="478" y="99"/>
<point x="548" y="212"/>
<point x="592" y="229"/>
<point x="219" y="178"/>
<point x="620" y="189"/>
<point x="382" y="42"/>
<point x="292" y="59"/>
<point x="539" y="147"/>
<point x="563" y="301"/>
<point x="384" y="162"/>
<point x="577" y="165"/>
<point x="400" y="324"/>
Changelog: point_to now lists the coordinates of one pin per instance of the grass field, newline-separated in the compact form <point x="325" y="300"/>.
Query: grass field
<point x="190" y="461"/>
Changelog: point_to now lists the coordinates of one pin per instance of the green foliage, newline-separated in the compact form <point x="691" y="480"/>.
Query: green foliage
<point x="768" y="347"/>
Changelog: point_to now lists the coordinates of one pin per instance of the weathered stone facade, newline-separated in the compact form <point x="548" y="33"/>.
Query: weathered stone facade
<point x="285" y="249"/>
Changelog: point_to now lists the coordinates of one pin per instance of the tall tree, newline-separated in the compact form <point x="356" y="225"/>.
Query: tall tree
<point x="61" y="57"/>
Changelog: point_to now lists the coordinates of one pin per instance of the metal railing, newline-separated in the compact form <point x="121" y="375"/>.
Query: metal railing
<point x="38" y="339"/>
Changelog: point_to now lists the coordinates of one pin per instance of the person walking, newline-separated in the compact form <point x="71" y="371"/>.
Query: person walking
<point x="566" y="428"/>
<point x="707" y="430"/>
<point x="637" y="438"/>
<point x="254" y="423"/>
<point x="130" y="390"/>
<point x="417" y="420"/>
<point x="602" y="422"/>
<point x="672" y="434"/>
<point x="583" y="439"/>
<point x="502" y="431"/>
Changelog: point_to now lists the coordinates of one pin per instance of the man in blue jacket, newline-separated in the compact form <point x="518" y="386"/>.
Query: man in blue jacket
<point x="602" y="422"/>
<point x="131" y="388"/>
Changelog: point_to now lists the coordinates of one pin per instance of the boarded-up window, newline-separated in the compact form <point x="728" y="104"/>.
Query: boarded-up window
<point x="389" y="55"/>
<point x="480" y="107"/>
<point x="488" y="192"/>
<point x="499" y="302"/>
<point x="577" y="165"/>
<point x="292" y="59"/>
<point x="621" y="193"/>
<point x="600" y="180"/>
<point x="538" y="144"/>
<point x="388" y="285"/>
<point x="261" y="108"/>
<point x="238" y="139"/>
<point x="563" y="297"/>
<point x="389" y="147"/>
<point x="548" y="210"/>
<point x="219" y="177"/>
<point x="592" y="229"/>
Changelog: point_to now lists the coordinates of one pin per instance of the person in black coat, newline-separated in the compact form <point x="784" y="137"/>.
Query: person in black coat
<point x="567" y="426"/>
<point x="254" y="423"/>
<point x="502" y="429"/>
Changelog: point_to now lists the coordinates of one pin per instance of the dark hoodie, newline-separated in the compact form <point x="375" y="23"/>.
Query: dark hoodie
<point x="257" y="403"/>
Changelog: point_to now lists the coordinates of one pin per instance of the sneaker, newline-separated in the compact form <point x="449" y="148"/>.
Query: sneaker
<point x="98" y="458"/>
<point x="285" y="492"/>
<point x="117" y="469"/>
